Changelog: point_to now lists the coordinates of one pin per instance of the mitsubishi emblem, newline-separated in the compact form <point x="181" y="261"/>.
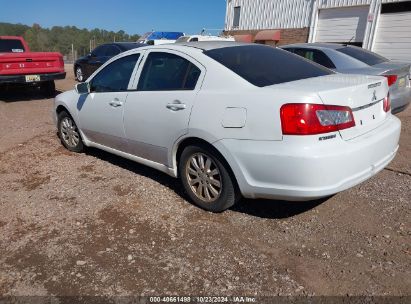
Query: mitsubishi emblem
<point x="374" y="96"/>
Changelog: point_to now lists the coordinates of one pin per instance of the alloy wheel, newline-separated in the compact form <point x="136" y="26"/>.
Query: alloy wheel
<point x="69" y="132"/>
<point x="203" y="177"/>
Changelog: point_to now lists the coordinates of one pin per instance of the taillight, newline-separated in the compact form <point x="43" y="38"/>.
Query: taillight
<point x="309" y="119"/>
<point x="61" y="61"/>
<point x="391" y="79"/>
<point x="387" y="103"/>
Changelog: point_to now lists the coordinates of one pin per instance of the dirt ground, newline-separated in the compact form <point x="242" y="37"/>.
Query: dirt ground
<point x="97" y="224"/>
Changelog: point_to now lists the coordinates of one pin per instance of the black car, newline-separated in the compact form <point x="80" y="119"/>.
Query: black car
<point x="87" y="65"/>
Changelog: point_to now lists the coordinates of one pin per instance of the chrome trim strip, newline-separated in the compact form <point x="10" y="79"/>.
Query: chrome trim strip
<point x="367" y="105"/>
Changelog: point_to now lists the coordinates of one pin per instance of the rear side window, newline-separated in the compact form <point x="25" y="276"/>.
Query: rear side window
<point x="316" y="56"/>
<point x="363" y="55"/>
<point x="168" y="72"/>
<point x="264" y="65"/>
<point x="116" y="76"/>
<point x="11" y="46"/>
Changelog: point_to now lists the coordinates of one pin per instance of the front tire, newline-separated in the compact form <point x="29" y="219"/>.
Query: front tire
<point x="69" y="133"/>
<point x="206" y="179"/>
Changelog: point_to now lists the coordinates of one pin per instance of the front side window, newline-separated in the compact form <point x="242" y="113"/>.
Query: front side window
<point x="168" y="72"/>
<point x="363" y="55"/>
<point x="116" y="76"/>
<point x="263" y="65"/>
<point x="11" y="46"/>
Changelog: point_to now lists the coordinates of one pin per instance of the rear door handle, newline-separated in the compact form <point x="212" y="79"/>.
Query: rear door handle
<point x="176" y="105"/>
<point x="115" y="103"/>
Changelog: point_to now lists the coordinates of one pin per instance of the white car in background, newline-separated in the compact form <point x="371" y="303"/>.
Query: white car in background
<point x="196" y="38"/>
<point x="234" y="119"/>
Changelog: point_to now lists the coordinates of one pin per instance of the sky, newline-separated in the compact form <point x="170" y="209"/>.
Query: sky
<point x="132" y="16"/>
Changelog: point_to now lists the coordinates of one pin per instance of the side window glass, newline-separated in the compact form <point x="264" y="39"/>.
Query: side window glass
<point x="302" y="53"/>
<point x="194" y="39"/>
<point x="112" y="50"/>
<point x="116" y="76"/>
<point x="99" y="51"/>
<point x="168" y="72"/>
<point x="323" y="59"/>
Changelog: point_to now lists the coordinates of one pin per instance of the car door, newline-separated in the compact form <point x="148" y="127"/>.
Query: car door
<point x="101" y="111"/>
<point x="157" y="113"/>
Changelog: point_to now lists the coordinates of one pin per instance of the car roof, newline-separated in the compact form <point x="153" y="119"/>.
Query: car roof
<point x="196" y="46"/>
<point x="211" y="45"/>
<point x="319" y="45"/>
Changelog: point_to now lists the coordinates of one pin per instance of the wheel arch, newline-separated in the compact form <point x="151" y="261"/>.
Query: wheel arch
<point x="197" y="141"/>
<point x="61" y="108"/>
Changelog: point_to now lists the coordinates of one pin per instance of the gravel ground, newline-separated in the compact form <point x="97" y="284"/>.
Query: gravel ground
<point x="96" y="224"/>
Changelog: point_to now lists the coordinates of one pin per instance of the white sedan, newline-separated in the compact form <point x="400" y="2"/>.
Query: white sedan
<point x="234" y="120"/>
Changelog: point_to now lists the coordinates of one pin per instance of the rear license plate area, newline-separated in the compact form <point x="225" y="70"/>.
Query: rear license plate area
<point x="32" y="78"/>
<point x="402" y="82"/>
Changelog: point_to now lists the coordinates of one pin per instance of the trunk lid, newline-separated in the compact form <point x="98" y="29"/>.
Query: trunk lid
<point x="363" y="94"/>
<point x="402" y="71"/>
<point x="30" y="63"/>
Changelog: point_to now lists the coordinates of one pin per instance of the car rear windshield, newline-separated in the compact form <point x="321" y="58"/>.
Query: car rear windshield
<point x="11" y="46"/>
<point x="265" y="65"/>
<point x="362" y="55"/>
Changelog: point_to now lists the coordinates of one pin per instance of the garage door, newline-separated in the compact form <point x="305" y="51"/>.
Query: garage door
<point x="342" y="24"/>
<point x="393" y="35"/>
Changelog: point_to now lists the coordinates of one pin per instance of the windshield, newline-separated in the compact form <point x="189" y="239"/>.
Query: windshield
<point x="363" y="55"/>
<point x="11" y="46"/>
<point x="183" y="39"/>
<point x="129" y="46"/>
<point x="264" y="65"/>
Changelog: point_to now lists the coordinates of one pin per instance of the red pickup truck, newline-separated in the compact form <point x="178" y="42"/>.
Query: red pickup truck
<point x="20" y="66"/>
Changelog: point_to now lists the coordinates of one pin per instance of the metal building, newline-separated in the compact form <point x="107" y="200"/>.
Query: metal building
<point x="383" y="26"/>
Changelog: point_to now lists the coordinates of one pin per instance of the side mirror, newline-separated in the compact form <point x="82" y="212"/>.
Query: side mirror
<point x="82" y="88"/>
<point x="89" y="55"/>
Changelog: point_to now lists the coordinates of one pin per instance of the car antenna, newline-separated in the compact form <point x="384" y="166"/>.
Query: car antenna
<point x="345" y="44"/>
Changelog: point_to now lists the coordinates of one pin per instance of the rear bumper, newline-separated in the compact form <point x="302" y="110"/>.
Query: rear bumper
<point x="298" y="169"/>
<point x="21" y="79"/>
<point x="400" y="100"/>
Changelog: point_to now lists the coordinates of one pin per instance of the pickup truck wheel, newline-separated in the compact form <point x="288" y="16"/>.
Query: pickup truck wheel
<point x="48" y="88"/>
<point x="206" y="179"/>
<point x="79" y="74"/>
<point x="69" y="133"/>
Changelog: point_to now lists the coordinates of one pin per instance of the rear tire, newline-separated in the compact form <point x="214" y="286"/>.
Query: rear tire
<point x="206" y="179"/>
<point x="69" y="133"/>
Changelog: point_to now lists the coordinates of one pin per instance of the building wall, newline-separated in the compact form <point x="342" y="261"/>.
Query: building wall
<point x="281" y="14"/>
<point x="288" y="36"/>
<point x="270" y="14"/>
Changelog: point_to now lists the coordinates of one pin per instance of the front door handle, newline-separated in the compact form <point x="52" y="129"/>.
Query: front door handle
<point x="176" y="105"/>
<point x="115" y="103"/>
